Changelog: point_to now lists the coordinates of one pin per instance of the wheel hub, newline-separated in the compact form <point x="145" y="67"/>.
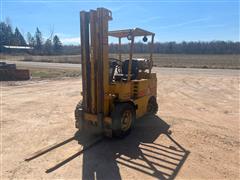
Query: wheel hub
<point x="126" y="120"/>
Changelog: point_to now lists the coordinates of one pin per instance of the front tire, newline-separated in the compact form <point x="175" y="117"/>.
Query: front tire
<point x="123" y="118"/>
<point x="78" y="116"/>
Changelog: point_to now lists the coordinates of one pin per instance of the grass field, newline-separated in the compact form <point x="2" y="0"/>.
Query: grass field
<point x="45" y="73"/>
<point x="160" y="60"/>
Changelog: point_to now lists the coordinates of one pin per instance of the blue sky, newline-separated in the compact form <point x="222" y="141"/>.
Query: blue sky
<point x="171" y="20"/>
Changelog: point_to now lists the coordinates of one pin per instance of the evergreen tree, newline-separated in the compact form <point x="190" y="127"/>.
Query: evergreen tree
<point x="6" y="34"/>
<point x="57" y="45"/>
<point x="18" y="39"/>
<point x="30" y="40"/>
<point x="2" y="35"/>
<point x="48" y="47"/>
<point x="38" y="41"/>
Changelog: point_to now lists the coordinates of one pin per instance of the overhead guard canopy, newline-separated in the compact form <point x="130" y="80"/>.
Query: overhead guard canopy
<point x="127" y="32"/>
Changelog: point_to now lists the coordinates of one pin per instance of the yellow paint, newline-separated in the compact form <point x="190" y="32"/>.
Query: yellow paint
<point x="142" y="106"/>
<point x="122" y="90"/>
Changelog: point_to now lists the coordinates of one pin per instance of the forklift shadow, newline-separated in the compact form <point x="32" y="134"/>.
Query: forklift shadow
<point x="136" y="154"/>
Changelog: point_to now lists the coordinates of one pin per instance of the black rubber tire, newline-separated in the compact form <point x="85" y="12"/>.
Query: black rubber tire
<point x="117" y="114"/>
<point x="78" y="116"/>
<point x="152" y="107"/>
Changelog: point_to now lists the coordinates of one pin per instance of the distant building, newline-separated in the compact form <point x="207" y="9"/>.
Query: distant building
<point x="18" y="47"/>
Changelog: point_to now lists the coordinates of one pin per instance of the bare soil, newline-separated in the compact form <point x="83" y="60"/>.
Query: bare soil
<point x="199" y="107"/>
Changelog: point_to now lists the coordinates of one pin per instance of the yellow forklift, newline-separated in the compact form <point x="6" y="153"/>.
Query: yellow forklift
<point x="115" y="91"/>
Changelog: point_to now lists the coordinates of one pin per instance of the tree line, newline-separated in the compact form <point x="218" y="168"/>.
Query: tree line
<point x="199" y="47"/>
<point x="54" y="46"/>
<point x="51" y="45"/>
<point x="212" y="47"/>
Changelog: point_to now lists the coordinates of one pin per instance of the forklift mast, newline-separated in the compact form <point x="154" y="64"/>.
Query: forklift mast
<point x="95" y="63"/>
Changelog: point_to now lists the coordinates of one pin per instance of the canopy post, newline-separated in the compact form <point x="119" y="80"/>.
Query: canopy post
<point x="151" y="54"/>
<point x="130" y="59"/>
<point x="119" y="49"/>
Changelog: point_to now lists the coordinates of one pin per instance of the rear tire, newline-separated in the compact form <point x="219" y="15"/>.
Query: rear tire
<point x="152" y="107"/>
<point x="123" y="118"/>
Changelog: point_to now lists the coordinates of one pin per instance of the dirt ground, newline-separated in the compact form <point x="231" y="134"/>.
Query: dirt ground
<point x="200" y="107"/>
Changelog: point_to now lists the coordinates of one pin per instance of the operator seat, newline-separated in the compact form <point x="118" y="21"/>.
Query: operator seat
<point x="134" y="69"/>
<point x="124" y="70"/>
